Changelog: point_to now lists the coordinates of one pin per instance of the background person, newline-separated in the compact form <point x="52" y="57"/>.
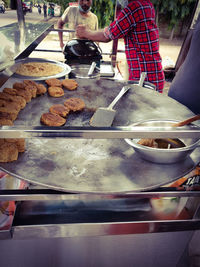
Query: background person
<point x="136" y="25"/>
<point x="74" y="16"/>
<point x="45" y="10"/>
<point x="39" y="8"/>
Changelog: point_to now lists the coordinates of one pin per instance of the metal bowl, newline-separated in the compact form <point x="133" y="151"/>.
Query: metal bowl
<point x="81" y="72"/>
<point x="161" y="155"/>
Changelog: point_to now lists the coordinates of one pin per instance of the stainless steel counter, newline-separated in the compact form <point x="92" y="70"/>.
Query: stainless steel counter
<point x="49" y="213"/>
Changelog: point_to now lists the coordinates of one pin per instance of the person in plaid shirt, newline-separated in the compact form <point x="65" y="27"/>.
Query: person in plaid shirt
<point x="136" y="25"/>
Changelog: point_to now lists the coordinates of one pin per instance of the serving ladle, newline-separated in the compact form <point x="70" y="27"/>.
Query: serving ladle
<point x="188" y="121"/>
<point x="176" y="143"/>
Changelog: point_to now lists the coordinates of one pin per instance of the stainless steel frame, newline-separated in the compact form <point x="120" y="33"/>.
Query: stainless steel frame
<point x="123" y="222"/>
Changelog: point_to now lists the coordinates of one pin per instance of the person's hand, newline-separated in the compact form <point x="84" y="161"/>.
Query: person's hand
<point x="81" y="31"/>
<point x="62" y="45"/>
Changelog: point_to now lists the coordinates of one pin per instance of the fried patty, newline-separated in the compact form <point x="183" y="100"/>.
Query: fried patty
<point x="74" y="104"/>
<point x="18" y="85"/>
<point x="32" y="89"/>
<point x="20" y="143"/>
<point x="4" y="121"/>
<point x="29" y="82"/>
<point x="9" y="104"/>
<point x="55" y="91"/>
<point x="59" y="110"/>
<point x="54" y="82"/>
<point x="41" y="89"/>
<point x="8" y="113"/>
<point x="31" y="86"/>
<point x="8" y="152"/>
<point x="70" y="84"/>
<point x="13" y="98"/>
<point x="19" y="92"/>
<point x="50" y="119"/>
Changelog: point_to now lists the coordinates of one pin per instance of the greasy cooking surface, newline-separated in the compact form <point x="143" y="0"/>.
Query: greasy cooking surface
<point x="135" y="105"/>
<point x="98" y="166"/>
<point x="103" y="166"/>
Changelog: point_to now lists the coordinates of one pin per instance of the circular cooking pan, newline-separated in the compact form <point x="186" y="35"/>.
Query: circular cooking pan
<point x="98" y="166"/>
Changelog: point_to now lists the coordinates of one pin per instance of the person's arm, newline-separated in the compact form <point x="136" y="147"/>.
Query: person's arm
<point x="60" y="34"/>
<point x="61" y="22"/>
<point x="96" y="36"/>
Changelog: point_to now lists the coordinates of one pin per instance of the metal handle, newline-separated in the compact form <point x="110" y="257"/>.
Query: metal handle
<point x="121" y="93"/>
<point x="92" y="67"/>
<point x="142" y="78"/>
<point x="188" y="121"/>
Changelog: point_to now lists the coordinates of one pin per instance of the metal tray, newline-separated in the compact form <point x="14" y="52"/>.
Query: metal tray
<point x="66" y="69"/>
<point x="98" y="166"/>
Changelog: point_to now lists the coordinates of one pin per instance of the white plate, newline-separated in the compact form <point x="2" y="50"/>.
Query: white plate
<point x="66" y="69"/>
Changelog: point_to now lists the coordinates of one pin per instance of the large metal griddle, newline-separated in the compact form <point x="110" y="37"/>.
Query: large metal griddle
<point x="104" y="166"/>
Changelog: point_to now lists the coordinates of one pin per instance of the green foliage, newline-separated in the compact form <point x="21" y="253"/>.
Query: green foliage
<point x="7" y="3"/>
<point x="174" y="11"/>
<point x="105" y="10"/>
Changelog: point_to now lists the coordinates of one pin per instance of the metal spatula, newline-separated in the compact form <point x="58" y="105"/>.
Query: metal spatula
<point x="104" y="117"/>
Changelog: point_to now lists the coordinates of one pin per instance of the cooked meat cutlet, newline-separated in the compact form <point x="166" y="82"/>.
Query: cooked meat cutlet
<point x="31" y="86"/>
<point x="54" y="82"/>
<point x="74" y="104"/>
<point x="30" y="82"/>
<point x="32" y="89"/>
<point x="8" y="152"/>
<point x="8" y="113"/>
<point x="9" y="104"/>
<point x="20" y="143"/>
<point x="5" y="122"/>
<point x="50" y="119"/>
<point x="13" y="98"/>
<point x="41" y="89"/>
<point x="19" y="85"/>
<point x="70" y="84"/>
<point x="19" y="92"/>
<point x="59" y="110"/>
<point x="55" y="91"/>
<point x="2" y="141"/>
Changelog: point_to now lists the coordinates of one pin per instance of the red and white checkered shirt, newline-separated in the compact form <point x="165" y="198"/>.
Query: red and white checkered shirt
<point x="136" y="25"/>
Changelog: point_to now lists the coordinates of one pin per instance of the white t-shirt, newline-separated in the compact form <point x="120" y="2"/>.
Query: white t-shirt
<point x="73" y="17"/>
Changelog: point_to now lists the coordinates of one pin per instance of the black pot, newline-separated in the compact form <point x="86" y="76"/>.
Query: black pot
<point x="82" y="50"/>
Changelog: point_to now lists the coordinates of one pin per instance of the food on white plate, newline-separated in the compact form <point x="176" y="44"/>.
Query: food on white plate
<point x="38" y="69"/>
